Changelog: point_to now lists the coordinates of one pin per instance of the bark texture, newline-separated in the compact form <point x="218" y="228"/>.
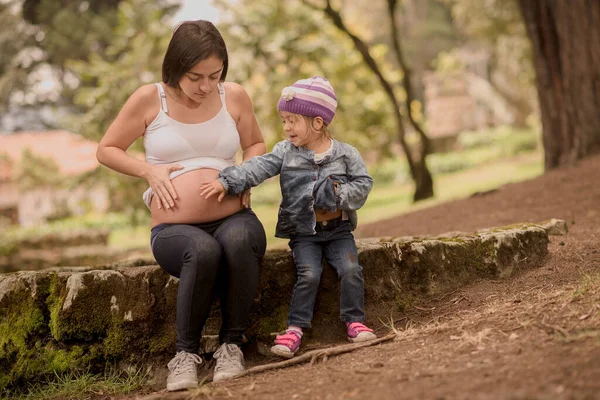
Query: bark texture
<point x="565" y="36"/>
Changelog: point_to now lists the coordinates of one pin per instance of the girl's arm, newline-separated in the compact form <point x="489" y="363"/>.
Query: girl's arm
<point x="253" y="172"/>
<point x="353" y="194"/>
<point x="237" y="179"/>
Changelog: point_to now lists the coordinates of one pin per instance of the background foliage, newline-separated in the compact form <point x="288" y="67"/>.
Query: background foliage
<point x="100" y="52"/>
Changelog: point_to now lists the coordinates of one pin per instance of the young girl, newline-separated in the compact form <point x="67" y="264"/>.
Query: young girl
<point x="323" y="183"/>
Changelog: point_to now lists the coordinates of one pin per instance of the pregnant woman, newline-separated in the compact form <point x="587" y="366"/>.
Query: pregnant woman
<point x="193" y="123"/>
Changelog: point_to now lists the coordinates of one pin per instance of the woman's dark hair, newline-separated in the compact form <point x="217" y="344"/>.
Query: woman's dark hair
<point x="192" y="41"/>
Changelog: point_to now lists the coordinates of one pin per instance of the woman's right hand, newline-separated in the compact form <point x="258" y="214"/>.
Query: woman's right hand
<point x="158" y="178"/>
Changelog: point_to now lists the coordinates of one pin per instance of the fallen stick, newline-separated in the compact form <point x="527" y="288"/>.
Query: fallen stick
<point x="313" y="355"/>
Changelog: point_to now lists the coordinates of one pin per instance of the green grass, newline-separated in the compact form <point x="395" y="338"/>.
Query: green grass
<point x="130" y="237"/>
<point x="82" y="386"/>
<point x="589" y="283"/>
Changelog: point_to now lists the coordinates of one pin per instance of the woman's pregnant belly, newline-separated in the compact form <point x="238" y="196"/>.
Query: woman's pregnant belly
<point x="190" y="206"/>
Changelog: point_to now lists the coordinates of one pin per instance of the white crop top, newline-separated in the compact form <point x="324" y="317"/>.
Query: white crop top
<point x="211" y="144"/>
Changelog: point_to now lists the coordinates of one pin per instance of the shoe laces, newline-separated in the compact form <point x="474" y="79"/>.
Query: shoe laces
<point x="289" y="338"/>
<point x="184" y="362"/>
<point x="228" y="356"/>
<point x="358" y="328"/>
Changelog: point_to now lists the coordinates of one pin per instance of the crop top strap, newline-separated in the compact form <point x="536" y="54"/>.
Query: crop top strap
<point x="162" y="97"/>
<point x="222" y="94"/>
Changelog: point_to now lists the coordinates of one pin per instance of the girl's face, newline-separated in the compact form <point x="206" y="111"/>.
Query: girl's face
<point x="298" y="130"/>
<point x="202" y="79"/>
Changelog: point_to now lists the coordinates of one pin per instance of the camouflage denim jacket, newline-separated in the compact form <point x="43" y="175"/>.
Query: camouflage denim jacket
<point x="305" y="184"/>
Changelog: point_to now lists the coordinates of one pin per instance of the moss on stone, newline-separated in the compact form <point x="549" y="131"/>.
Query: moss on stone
<point x="54" y="302"/>
<point x="42" y="362"/>
<point x="404" y="301"/>
<point x="25" y="348"/>
<point x="123" y="337"/>
<point x="89" y="320"/>
<point x="23" y="321"/>
<point x="162" y="341"/>
<point x="48" y="359"/>
<point x="458" y="240"/>
<point x="16" y="332"/>
<point x="275" y="321"/>
<point x="521" y="226"/>
<point x="116" y="342"/>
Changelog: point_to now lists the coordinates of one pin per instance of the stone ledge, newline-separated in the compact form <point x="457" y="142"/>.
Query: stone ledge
<point x="60" y="321"/>
<point x="72" y="247"/>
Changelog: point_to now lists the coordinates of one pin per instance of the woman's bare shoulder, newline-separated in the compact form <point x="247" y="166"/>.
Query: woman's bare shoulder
<point x="144" y="102"/>
<point x="237" y="100"/>
<point x="145" y="94"/>
<point x="235" y="91"/>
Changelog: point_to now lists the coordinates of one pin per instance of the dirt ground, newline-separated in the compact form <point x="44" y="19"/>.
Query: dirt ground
<point x="532" y="336"/>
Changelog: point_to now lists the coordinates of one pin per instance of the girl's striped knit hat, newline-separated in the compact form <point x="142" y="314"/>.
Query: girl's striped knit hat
<point x="313" y="97"/>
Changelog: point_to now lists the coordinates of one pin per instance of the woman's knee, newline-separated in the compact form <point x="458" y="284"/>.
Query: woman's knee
<point x="243" y="237"/>
<point x="204" y="250"/>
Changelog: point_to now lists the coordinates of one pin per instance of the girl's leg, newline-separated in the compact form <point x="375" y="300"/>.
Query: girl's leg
<point x="308" y="260"/>
<point x="342" y="255"/>
<point x="243" y="242"/>
<point x="193" y="256"/>
<point x="307" y="254"/>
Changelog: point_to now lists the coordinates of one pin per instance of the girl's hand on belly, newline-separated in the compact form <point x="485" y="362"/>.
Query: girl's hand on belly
<point x="214" y="187"/>
<point x="158" y="178"/>
<point x="191" y="206"/>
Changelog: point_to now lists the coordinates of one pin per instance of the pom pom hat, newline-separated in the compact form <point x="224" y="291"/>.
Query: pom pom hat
<point x="313" y="97"/>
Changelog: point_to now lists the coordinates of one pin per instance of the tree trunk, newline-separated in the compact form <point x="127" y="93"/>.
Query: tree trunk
<point x="417" y="166"/>
<point x="565" y="36"/>
<point x="422" y="176"/>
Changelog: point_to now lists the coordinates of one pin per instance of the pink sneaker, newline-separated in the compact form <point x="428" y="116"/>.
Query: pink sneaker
<point x="358" y="332"/>
<point x="287" y="344"/>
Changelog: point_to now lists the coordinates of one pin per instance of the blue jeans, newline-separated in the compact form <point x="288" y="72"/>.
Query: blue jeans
<point x="335" y="242"/>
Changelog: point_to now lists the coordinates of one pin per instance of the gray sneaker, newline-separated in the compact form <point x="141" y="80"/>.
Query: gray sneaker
<point x="183" y="373"/>
<point x="230" y="362"/>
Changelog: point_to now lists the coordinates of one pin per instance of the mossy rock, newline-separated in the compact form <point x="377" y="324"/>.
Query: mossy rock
<point x="66" y="321"/>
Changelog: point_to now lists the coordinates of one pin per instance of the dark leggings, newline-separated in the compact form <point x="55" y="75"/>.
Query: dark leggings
<point x="221" y="256"/>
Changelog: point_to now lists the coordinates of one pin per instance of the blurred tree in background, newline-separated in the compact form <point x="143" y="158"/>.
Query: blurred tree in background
<point x="276" y="54"/>
<point x="272" y="44"/>
<point x="38" y="37"/>
<point x="416" y="158"/>
<point x="377" y="55"/>
<point x="566" y="51"/>
<point x="95" y="53"/>
<point x="494" y="30"/>
<point x="133" y="58"/>
<point x="15" y="36"/>
<point x="106" y="80"/>
<point x="425" y="27"/>
<point x="35" y="171"/>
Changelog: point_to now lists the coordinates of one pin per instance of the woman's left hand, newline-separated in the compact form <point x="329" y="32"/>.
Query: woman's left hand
<point x="245" y="199"/>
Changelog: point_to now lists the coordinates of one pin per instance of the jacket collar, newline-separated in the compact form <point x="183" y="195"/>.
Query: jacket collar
<point x="311" y="154"/>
